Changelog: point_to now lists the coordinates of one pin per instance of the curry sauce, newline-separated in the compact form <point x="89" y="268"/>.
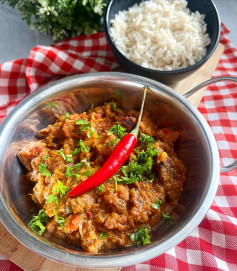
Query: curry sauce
<point x="120" y="212"/>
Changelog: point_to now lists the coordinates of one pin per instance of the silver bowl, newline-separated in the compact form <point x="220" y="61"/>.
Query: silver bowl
<point x="196" y="147"/>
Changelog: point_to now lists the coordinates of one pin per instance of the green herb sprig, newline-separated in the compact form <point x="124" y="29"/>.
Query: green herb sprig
<point x="61" y="19"/>
<point x="141" y="237"/>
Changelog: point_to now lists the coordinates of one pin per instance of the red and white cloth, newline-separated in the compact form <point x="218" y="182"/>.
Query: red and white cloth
<point x="213" y="245"/>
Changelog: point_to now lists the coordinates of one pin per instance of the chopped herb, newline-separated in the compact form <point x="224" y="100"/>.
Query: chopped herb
<point x="70" y="170"/>
<point x="141" y="237"/>
<point x="112" y="142"/>
<point x="114" y="106"/>
<point x="100" y="188"/>
<point x="61" y="152"/>
<point x="61" y="221"/>
<point x="103" y="235"/>
<point x="87" y="173"/>
<point x="118" y="130"/>
<point x="85" y="162"/>
<point x="76" y="151"/>
<point x="83" y="124"/>
<point x="90" y="132"/>
<point x="82" y="146"/>
<point x="92" y="106"/>
<point x="43" y="170"/>
<point x="66" y="115"/>
<point x="46" y="157"/>
<point x="166" y="217"/>
<point x="69" y="158"/>
<point x="146" y="139"/>
<point x="157" y="204"/>
<point x="52" y="198"/>
<point x="37" y="223"/>
<point x="119" y="93"/>
<point x="60" y="188"/>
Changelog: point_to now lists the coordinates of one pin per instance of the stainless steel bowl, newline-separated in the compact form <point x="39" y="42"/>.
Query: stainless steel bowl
<point x="196" y="147"/>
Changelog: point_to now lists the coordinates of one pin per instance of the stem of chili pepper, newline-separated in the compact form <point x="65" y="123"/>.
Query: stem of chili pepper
<point x="116" y="159"/>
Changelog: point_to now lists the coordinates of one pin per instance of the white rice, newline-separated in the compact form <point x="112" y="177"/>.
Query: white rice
<point x="161" y="34"/>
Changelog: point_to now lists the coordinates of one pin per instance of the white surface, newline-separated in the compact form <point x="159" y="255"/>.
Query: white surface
<point x="17" y="39"/>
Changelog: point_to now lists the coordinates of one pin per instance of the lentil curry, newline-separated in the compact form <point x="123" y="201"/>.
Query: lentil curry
<point x="120" y="212"/>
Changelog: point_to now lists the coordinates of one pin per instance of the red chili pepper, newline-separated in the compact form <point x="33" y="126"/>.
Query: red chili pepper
<point x="116" y="159"/>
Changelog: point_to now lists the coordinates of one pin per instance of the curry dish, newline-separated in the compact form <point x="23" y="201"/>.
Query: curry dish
<point x="120" y="212"/>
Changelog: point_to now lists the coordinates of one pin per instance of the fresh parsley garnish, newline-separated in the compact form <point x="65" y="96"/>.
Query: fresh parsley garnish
<point x="46" y="157"/>
<point x="37" y="223"/>
<point x="118" y="130"/>
<point x="83" y="124"/>
<point x="114" y="106"/>
<point x="43" y="170"/>
<point x="100" y="188"/>
<point x="166" y="217"/>
<point x="52" y="198"/>
<point x="141" y="237"/>
<point x="60" y="189"/>
<point x="138" y="168"/>
<point x="112" y="142"/>
<point x="68" y="157"/>
<point x="146" y="139"/>
<point x="66" y="115"/>
<point x="61" y="152"/>
<point x="61" y="221"/>
<point x="70" y="171"/>
<point x="157" y="204"/>
<point x="103" y="235"/>
<point x="82" y="146"/>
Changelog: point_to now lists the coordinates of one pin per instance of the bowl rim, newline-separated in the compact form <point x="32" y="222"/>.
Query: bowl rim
<point x="148" y="70"/>
<point x="31" y="241"/>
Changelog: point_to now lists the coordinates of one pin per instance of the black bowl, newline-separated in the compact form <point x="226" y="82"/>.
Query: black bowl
<point x="212" y="20"/>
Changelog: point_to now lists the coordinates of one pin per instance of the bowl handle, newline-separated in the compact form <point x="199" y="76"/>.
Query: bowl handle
<point x="207" y="83"/>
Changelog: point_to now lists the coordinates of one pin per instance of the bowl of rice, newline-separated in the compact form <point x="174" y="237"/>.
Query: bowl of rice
<point x="162" y="39"/>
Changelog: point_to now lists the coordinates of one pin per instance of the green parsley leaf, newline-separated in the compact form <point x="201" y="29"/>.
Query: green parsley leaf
<point x="157" y="204"/>
<point x="52" y="198"/>
<point x="112" y="142"/>
<point x="166" y="217"/>
<point x="146" y="139"/>
<point x="66" y="115"/>
<point x="70" y="171"/>
<point x="61" y="221"/>
<point x="37" y="223"/>
<point x="119" y="93"/>
<point x="76" y="151"/>
<point x="103" y="235"/>
<point x="61" y="152"/>
<point x="43" y="170"/>
<point x="90" y="132"/>
<point x="141" y="237"/>
<point x="87" y="173"/>
<point x="60" y="189"/>
<point x="100" y="188"/>
<point x="46" y="157"/>
<point x="83" y="124"/>
<point x="114" y="106"/>
<point x="69" y="158"/>
<point x="82" y="146"/>
<point x="118" y="130"/>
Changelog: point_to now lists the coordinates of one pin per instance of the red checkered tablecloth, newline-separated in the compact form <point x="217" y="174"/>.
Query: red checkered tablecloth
<point x="213" y="245"/>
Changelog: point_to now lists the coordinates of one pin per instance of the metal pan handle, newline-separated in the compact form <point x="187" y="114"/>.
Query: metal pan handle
<point x="207" y="83"/>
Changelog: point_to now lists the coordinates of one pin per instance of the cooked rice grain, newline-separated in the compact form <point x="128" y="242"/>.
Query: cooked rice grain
<point x="161" y="34"/>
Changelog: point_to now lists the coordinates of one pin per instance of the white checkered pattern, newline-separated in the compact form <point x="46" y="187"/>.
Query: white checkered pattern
<point x="213" y="245"/>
